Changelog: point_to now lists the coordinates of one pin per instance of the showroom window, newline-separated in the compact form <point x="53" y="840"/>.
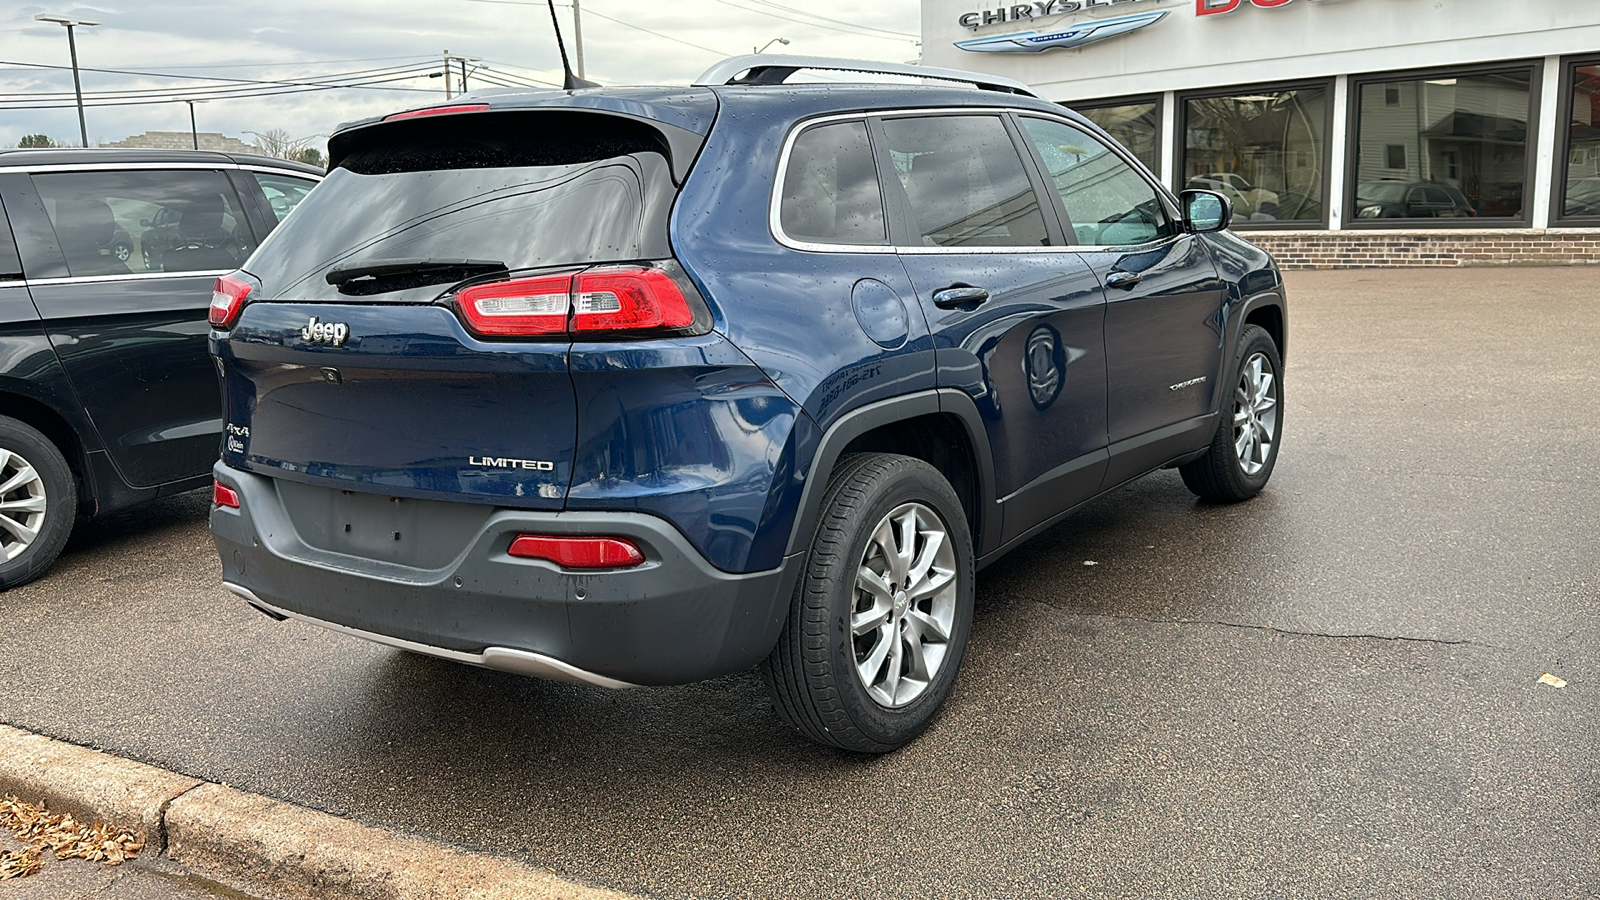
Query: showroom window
<point x="1578" y="182"/>
<point x="1135" y="124"/>
<point x="1263" y="148"/>
<point x="1453" y="148"/>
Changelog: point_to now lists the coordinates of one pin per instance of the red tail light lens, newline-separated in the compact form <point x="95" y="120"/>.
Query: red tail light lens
<point x="227" y="298"/>
<point x="437" y="111"/>
<point x="628" y="299"/>
<point x="222" y="495"/>
<point x="612" y="299"/>
<point x="522" y="306"/>
<point x="578" y="552"/>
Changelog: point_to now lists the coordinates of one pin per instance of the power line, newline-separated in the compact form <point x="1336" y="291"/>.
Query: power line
<point x="658" y="34"/>
<point x="811" y="15"/>
<point x="834" y="27"/>
<point x="320" y="80"/>
<point x="240" y="94"/>
<point x="351" y="79"/>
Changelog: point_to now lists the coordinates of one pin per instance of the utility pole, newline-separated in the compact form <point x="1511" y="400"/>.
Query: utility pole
<point x="193" y="131"/>
<point x="463" y="60"/>
<point x="577" y="35"/>
<point x="72" y="45"/>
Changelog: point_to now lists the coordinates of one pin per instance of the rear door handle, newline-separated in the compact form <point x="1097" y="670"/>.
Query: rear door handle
<point x="1121" y="278"/>
<point x="959" y="295"/>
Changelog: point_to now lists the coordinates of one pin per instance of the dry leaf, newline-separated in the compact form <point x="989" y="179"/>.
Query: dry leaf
<point x="1551" y="680"/>
<point x="65" y="836"/>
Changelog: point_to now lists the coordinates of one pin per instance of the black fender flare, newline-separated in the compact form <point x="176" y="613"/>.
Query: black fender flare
<point x="861" y="420"/>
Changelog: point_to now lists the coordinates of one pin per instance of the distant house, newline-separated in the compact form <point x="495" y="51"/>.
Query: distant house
<point x="183" y="140"/>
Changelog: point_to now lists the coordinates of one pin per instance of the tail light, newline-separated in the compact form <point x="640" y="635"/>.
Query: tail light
<point x="222" y="495"/>
<point x="578" y="552"/>
<point x="227" y="298"/>
<point x="625" y="299"/>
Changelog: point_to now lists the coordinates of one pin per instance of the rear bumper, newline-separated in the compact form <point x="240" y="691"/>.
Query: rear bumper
<point x="673" y="620"/>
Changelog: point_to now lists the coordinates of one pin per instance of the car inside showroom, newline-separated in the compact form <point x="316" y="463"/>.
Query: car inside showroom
<point x="1346" y="132"/>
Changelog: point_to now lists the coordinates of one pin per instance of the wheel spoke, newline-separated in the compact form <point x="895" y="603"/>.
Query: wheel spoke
<point x="872" y="619"/>
<point x="897" y="656"/>
<point x="1241" y="445"/>
<point x="936" y="581"/>
<point x="928" y="626"/>
<point x="27" y="504"/>
<point x="24" y="475"/>
<point x="23" y="533"/>
<point x="918" y="661"/>
<point x="869" y="668"/>
<point x="905" y="547"/>
<point x="873" y="583"/>
<point x="932" y="541"/>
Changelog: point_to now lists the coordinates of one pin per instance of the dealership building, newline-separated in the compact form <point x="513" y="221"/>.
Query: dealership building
<point x="1346" y="132"/>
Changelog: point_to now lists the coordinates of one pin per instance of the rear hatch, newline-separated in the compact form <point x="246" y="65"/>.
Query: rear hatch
<point x="358" y="359"/>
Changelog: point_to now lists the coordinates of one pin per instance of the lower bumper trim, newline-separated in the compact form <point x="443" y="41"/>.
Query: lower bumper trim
<point x="504" y="659"/>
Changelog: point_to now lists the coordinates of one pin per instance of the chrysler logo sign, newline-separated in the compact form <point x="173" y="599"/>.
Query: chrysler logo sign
<point x="1062" y="37"/>
<point x="1027" y="12"/>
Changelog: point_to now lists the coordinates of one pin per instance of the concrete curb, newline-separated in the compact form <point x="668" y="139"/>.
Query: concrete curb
<point x="259" y="844"/>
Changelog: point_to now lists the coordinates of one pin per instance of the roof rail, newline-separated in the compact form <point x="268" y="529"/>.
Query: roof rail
<point x="766" y="68"/>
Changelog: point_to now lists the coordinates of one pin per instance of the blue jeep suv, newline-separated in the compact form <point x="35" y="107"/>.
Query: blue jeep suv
<point x="640" y="386"/>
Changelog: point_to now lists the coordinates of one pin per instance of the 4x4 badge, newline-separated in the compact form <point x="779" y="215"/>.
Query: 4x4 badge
<point x="325" y="332"/>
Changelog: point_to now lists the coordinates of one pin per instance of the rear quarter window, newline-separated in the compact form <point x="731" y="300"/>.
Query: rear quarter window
<point x="830" y="187"/>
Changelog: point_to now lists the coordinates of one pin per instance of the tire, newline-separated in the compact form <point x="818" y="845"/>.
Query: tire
<point x="813" y="673"/>
<point x="38" y="503"/>
<point x="1245" y="448"/>
<point x="121" y="251"/>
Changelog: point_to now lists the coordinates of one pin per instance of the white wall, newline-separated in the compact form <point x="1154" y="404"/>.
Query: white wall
<point x="1301" y="39"/>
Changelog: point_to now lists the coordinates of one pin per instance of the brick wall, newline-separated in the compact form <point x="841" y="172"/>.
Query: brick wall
<point x="1373" y="249"/>
<point x="183" y="140"/>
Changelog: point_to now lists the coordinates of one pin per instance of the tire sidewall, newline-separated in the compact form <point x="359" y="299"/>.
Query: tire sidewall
<point x="911" y="482"/>
<point x="61" y="502"/>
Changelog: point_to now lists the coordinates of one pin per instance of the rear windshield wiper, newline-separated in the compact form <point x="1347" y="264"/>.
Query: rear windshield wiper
<point x="385" y="275"/>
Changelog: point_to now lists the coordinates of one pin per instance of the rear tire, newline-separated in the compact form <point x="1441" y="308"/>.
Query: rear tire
<point x="38" y="503"/>
<point x="1245" y="447"/>
<point x="881" y="615"/>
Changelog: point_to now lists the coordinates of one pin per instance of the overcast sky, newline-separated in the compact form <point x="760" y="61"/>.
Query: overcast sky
<point x="292" y="40"/>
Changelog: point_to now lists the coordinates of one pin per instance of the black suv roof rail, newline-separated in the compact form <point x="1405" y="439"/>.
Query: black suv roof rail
<point x="775" y="69"/>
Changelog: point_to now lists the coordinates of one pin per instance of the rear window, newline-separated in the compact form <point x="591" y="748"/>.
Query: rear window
<point x="529" y="190"/>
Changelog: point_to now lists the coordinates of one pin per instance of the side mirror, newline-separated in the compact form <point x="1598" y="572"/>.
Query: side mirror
<point x="1205" y="211"/>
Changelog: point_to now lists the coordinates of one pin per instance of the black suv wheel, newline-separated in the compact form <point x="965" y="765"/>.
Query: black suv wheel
<point x="881" y="615"/>
<point x="38" y="503"/>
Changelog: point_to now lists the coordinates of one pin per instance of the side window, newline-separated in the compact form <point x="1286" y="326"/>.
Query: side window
<point x="965" y="182"/>
<point x="1108" y="204"/>
<point x="830" y="189"/>
<point x="283" y="192"/>
<point x="10" y="262"/>
<point x="120" y="223"/>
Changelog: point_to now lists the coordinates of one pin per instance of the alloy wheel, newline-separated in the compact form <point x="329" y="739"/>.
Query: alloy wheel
<point x="905" y="605"/>
<point x="1255" y="413"/>
<point x="22" y="504"/>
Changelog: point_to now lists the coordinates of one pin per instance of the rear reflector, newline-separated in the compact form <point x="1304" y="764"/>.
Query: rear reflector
<point x="578" y="552"/>
<point x="222" y="495"/>
<point x="227" y="298"/>
<point x="438" y="111"/>
<point x="612" y="299"/>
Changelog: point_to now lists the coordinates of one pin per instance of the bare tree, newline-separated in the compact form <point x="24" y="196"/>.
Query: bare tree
<point x="277" y="142"/>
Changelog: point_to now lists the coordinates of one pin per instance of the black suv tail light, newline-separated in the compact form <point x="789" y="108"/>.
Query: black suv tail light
<point x="227" y="299"/>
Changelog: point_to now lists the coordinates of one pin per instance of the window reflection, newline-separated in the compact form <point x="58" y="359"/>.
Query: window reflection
<point x="1263" y="150"/>
<point x="1134" y="125"/>
<point x="1583" y="145"/>
<point x="1443" y="147"/>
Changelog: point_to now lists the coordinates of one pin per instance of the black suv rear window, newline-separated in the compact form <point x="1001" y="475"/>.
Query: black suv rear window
<point x="529" y="190"/>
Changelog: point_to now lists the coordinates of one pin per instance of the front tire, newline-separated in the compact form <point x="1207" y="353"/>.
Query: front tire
<point x="880" y="618"/>
<point x="1245" y="448"/>
<point x="38" y="503"/>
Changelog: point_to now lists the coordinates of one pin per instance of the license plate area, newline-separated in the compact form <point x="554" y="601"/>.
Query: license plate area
<point x="423" y="534"/>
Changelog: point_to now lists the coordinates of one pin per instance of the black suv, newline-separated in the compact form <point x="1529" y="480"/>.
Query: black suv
<point x="637" y="386"/>
<point x="107" y="393"/>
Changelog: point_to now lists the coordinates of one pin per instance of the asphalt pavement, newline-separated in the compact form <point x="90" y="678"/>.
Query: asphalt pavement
<point x="1330" y="691"/>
